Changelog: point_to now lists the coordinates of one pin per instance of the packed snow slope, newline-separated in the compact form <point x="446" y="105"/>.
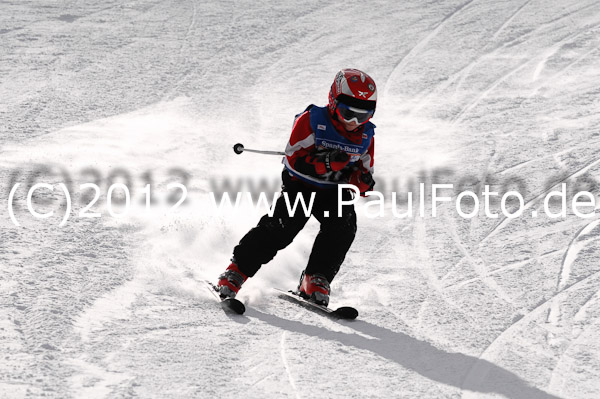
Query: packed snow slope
<point x="472" y="92"/>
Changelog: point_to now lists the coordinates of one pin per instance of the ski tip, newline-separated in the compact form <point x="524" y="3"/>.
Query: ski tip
<point x="346" y="312"/>
<point x="235" y="305"/>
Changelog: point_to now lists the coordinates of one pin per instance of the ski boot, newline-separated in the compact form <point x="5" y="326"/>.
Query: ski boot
<point x="231" y="281"/>
<point x="314" y="288"/>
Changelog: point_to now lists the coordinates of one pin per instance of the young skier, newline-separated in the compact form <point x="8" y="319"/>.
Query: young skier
<point x="328" y="146"/>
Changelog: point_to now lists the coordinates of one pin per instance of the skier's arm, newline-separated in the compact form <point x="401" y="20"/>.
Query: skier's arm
<point x="362" y="177"/>
<point x="302" y="155"/>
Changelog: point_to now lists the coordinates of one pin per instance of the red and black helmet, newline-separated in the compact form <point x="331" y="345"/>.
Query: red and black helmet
<point x="353" y="88"/>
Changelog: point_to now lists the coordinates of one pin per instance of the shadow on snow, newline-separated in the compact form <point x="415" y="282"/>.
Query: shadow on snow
<point x="419" y="356"/>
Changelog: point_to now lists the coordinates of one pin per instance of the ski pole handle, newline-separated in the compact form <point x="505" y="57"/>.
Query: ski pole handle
<point x="239" y="148"/>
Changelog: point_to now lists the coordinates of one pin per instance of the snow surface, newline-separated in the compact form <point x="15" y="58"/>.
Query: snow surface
<point x="470" y="92"/>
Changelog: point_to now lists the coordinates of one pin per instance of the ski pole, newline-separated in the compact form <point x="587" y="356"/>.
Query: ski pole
<point x="239" y="148"/>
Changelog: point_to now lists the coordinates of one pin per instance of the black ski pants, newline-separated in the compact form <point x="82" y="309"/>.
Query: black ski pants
<point x="336" y="234"/>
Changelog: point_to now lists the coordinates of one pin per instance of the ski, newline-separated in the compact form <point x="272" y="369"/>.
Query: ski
<point x="226" y="303"/>
<point x="344" y="312"/>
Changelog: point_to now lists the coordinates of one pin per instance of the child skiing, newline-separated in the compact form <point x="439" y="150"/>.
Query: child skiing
<point x="328" y="146"/>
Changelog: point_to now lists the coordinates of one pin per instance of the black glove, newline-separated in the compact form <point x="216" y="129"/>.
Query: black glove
<point x="322" y="162"/>
<point x="362" y="180"/>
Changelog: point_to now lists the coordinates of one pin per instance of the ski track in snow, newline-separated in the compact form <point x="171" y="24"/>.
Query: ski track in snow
<point x="558" y="74"/>
<point x="461" y="115"/>
<point x="509" y="20"/>
<point x="569" y="258"/>
<point x="422" y="43"/>
<point x="571" y="253"/>
<point x="464" y="73"/>
<point x="287" y="366"/>
<point x="480" y="267"/>
<point x="554" y="49"/>
<point x="544" y="58"/>
<point x="186" y="73"/>
<point x="529" y="203"/>
<point x="479" y="371"/>
<point x="566" y="361"/>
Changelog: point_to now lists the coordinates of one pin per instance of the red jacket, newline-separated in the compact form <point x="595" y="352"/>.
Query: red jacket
<point x="301" y="147"/>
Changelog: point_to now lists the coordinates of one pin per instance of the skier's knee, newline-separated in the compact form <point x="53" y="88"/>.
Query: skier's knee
<point x="280" y="231"/>
<point x="339" y="233"/>
<point x="346" y="225"/>
<point x="275" y="225"/>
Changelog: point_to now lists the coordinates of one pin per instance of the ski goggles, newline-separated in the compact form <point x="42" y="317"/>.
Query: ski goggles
<point x="349" y="114"/>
